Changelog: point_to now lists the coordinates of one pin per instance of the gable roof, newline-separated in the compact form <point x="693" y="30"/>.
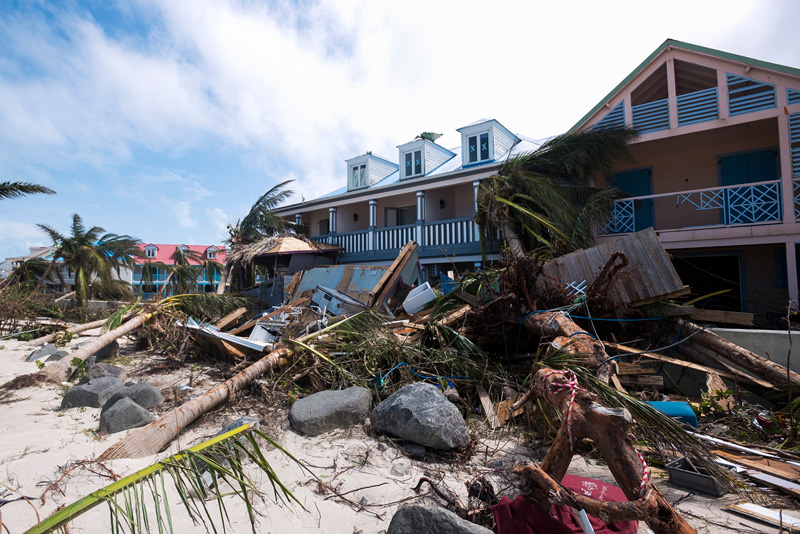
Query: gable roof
<point x="670" y="43"/>
<point x="165" y="253"/>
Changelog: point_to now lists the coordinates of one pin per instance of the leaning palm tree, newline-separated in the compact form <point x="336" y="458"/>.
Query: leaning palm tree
<point x="92" y="254"/>
<point x="19" y="189"/>
<point x="545" y="198"/>
<point x="259" y="223"/>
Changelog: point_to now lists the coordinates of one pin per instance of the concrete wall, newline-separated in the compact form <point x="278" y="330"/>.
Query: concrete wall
<point x="772" y="344"/>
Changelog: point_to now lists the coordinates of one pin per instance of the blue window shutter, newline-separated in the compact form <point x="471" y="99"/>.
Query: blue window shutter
<point x="613" y="119"/>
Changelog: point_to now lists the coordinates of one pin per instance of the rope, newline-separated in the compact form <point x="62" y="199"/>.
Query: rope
<point x="645" y="475"/>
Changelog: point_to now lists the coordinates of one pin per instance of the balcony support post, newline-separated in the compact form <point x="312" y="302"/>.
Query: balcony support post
<point x="373" y="223"/>
<point x="791" y="275"/>
<point x="672" y="94"/>
<point x="420" y="216"/>
<point x="785" y="152"/>
<point x="331" y="224"/>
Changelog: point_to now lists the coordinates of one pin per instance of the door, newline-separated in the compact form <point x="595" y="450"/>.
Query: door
<point x="750" y="204"/>
<point x="637" y="183"/>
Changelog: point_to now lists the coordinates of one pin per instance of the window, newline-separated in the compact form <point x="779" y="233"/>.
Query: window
<point x="211" y="254"/>
<point x="413" y="163"/>
<point x="324" y="226"/>
<point x="401" y="216"/>
<point x="478" y="145"/>
<point x="150" y="252"/>
<point x="358" y="176"/>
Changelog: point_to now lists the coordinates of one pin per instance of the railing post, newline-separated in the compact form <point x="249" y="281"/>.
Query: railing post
<point x="420" y="217"/>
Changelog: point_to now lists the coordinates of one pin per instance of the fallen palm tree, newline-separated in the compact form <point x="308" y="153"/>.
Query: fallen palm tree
<point x="584" y="416"/>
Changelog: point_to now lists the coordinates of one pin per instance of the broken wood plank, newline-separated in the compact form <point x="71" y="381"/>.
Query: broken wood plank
<point x="690" y="365"/>
<point x="231" y="318"/>
<point x="722" y="316"/>
<point x="488" y="409"/>
<point x="633" y="369"/>
<point x="466" y="297"/>
<point x="675" y="294"/>
<point x="389" y="278"/>
<point x="714" y="384"/>
<point x="772" y="466"/>
<point x="617" y="384"/>
<point x="504" y="412"/>
<point x="456" y="315"/>
<point x="233" y="350"/>
<point x="676" y="311"/>
<point x="786" y="519"/>
<point x="642" y="380"/>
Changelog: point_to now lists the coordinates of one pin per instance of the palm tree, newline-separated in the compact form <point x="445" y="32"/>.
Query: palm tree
<point x="92" y="254"/>
<point x="545" y="198"/>
<point x="259" y="223"/>
<point x="18" y="189"/>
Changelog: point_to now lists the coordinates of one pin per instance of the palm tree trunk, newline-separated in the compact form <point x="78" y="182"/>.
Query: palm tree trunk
<point x="45" y="275"/>
<point x="74" y="330"/>
<point x="61" y="370"/>
<point x="223" y="279"/>
<point x="154" y="437"/>
<point x="512" y="239"/>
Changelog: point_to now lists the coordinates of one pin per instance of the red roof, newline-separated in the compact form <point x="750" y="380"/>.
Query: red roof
<point x="166" y="253"/>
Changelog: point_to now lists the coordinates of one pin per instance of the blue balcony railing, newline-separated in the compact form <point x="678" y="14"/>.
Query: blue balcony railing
<point x="755" y="203"/>
<point x="700" y="106"/>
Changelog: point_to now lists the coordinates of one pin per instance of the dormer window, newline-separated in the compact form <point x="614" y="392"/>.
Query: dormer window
<point x="358" y="176"/>
<point x="413" y="166"/>
<point x="478" y="147"/>
<point x="150" y="251"/>
<point x="211" y="253"/>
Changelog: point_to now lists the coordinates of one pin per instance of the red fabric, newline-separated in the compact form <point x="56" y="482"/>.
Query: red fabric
<point x="523" y="517"/>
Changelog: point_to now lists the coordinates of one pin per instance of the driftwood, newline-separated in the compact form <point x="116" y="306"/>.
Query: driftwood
<point x="154" y="437"/>
<point x="568" y="337"/>
<point x="770" y="371"/>
<point x="73" y="330"/>
<point x="61" y="370"/>
<point x="584" y="416"/>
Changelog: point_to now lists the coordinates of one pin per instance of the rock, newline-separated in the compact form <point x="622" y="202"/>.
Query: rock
<point x="56" y="356"/>
<point x="240" y="422"/>
<point x="100" y="370"/>
<point x="42" y="352"/>
<point x="144" y="394"/>
<point x="420" y="413"/>
<point x="109" y="351"/>
<point x="399" y="469"/>
<point x="94" y="394"/>
<point x="421" y="520"/>
<point x="327" y="410"/>
<point x="124" y="414"/>
<point x="414" y="450"/>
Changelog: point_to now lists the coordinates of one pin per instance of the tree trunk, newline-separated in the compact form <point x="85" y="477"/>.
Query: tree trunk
<point x="608" y="428"/>
<point x="568" y="337"/>
<point x="45" y="275"/>
<point x="154" y="437"/>
<point x="61" y="370"/>
<point x="772" y="372"/>
<point x="512" y="240"/>
<point x="223" y="279"/>
<point x="49" y="338"/>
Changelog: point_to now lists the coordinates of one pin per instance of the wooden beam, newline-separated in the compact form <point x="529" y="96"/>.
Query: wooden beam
<point x="642" y="380"/>
<point x="722" y="316"/>
<point x="231" y="318"/>
<point x="389" y="278"/>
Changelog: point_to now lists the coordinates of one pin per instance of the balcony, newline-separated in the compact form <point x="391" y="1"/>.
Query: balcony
<point x="735" y="205"/>
<point x="436" y="238"/>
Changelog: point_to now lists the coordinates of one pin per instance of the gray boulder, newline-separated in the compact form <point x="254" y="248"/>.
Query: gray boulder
<point x="100" y="370"/>
<point x="59" y="355"/>
<point x="327" y="410"/>
<point x="42" y="352"/>
<point x="421" y="520"/>
<point x="144" y="394"/>
<point x="124" y="414"/>
<point x="94" y="394"/>
<point x="420" y="413"/>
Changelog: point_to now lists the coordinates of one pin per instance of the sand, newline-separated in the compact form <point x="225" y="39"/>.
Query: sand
<point x="374" y="474"/>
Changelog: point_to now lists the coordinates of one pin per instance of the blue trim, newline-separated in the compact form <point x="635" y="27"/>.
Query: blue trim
<point x="699" y="106"/>
<point x="484" y="162"/>
<point x="651" y="117"/>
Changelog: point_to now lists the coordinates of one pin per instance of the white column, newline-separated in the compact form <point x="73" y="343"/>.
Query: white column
<point x="420" y="216"/>
<point x="298" y="219"/>
<point x="791" y="274"/>
<point x="332" y="220"/>
<point x="373" y="222"/>
<point x="672" y="94"/>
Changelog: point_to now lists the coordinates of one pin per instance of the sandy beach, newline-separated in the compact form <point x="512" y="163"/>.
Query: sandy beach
<point x="372" y="475"/>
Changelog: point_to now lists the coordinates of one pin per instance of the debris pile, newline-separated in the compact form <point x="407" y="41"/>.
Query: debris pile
<point x="577" y="349"/>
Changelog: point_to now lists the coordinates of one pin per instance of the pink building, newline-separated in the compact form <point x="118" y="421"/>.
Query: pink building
<point x="717" y="171"/>
<point x="166" y="254"/>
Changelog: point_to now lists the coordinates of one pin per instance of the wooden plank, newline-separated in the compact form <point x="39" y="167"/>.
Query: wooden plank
<point x="770" y="466"/>
<point x="488" y="409"/>
<point x="233" y="350"/>
<point x="618" y="384"/>
<point x="467" y="297"/>
<point x="675" y="294"/>
<point x="714" y="383"/>
<point x="502" y="409"/>
<point x="722" y="316"/>
<point x="645" y="380"/>
<point x="251" y="323"/>
<point x="689" y="365"/>
<point x="633" y="369"/>
<point x="786" y="519"/>
<point x="454" y="316"/>
<point x="390" y="276"/>
<point x="229" y="319"/>
<point x="677" y="311"/>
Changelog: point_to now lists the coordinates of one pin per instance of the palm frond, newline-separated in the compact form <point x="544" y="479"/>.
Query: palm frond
<point x="19" y="189"/>
<point x="205" y="306"/>
<point x="198" y="473"/>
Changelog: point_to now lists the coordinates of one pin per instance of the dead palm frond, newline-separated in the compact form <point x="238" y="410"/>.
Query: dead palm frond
<point x="209" y="471"/>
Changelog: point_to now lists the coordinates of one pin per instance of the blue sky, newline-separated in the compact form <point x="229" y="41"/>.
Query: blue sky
<point x="165" y="120"/>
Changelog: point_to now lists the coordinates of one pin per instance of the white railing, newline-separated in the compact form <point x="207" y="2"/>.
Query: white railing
<point x="758" y="202"/>
<point x="394" y="237"/>
<point x="352" y="241"/>
<point x="451" y="232"/>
